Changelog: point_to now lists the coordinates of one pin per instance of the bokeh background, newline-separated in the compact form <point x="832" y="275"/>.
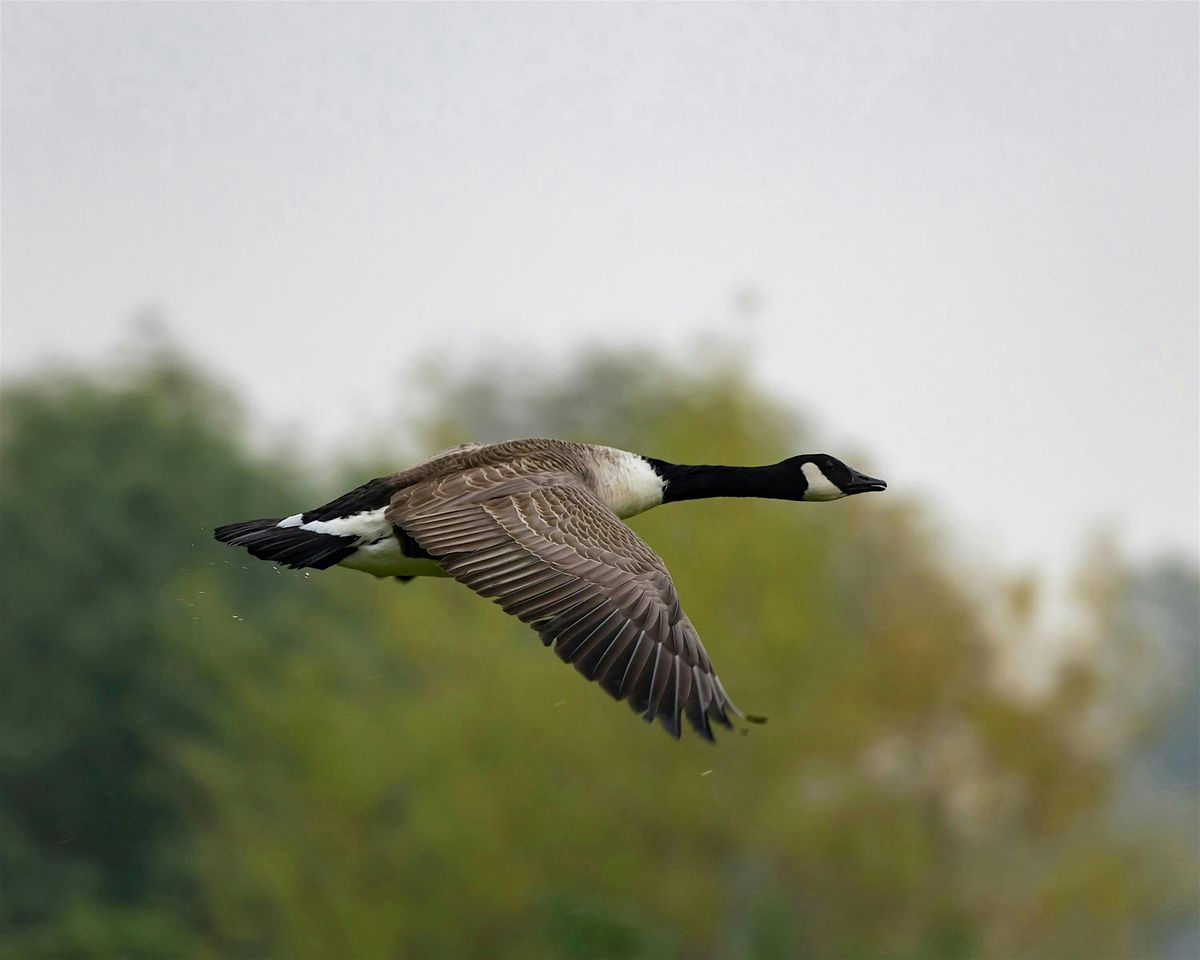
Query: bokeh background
<point x="256" y="254"/>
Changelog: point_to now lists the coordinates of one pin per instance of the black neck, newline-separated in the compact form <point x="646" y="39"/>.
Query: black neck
<point x="697" y="482"/>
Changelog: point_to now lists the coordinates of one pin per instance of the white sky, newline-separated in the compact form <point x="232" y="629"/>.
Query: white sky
<point x="974" y="227"/>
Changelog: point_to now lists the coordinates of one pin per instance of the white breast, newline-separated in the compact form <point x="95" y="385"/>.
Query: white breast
<point x="625" y="481"/>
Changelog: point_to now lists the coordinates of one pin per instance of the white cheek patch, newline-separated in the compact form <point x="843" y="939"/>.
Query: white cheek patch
<point x="820" y="487"/>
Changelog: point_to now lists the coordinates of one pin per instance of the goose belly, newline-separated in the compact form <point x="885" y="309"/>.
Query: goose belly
<point x="383" y="558"/>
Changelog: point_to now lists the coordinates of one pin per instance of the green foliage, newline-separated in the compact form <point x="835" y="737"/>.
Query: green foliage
<point x="110" y="489"/>
<point x="204" y="755"/>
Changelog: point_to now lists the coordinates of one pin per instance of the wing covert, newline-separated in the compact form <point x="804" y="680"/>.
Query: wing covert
<point x="553" y="555"/>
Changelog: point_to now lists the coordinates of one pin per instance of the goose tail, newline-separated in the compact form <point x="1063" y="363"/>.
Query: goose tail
<point x="288" y="545"/>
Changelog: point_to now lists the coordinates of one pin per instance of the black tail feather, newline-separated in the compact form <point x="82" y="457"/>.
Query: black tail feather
<point x="289" y="546"/>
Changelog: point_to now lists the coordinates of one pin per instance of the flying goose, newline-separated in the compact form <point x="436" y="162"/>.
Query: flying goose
<point x="535" y="525"/>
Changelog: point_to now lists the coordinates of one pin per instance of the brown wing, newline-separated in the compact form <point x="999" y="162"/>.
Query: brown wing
<point x="550" y="553"/>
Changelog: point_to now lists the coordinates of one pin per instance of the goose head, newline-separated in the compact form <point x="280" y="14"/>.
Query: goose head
<point x="823" y="477"/>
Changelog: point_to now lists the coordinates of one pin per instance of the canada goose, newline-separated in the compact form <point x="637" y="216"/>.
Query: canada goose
<point x="535" y="525"/>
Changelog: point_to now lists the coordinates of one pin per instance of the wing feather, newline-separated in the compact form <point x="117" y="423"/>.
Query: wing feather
<point x="552" y="554"/>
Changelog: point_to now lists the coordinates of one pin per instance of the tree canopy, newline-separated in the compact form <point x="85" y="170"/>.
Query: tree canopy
<point x="205" y="755"/>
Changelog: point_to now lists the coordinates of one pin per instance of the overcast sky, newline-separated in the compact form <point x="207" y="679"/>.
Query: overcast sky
<point x="973" y="228"/>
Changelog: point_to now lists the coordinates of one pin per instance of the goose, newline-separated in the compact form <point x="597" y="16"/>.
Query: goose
<point x="536" y="526"/>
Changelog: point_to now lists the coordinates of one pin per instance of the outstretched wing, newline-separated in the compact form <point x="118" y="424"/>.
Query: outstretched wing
<point x="553" y="555"/>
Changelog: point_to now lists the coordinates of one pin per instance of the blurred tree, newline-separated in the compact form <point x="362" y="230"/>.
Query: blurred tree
<point x="898" y="803"/>
<point x="110" y="487"/>
<point x="205" y="755"/>
<point x="1148" y="661"/>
